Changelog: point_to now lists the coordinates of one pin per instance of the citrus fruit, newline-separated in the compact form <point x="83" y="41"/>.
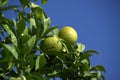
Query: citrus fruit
<point x="51" y="45"/>
<point x="68" y="34"/>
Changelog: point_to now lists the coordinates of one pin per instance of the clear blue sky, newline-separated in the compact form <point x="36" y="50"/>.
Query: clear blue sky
<point x="98" y="25"/>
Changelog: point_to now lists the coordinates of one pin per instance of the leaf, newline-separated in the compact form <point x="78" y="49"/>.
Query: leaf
<point x="38" y="11"/>
<point x="25" y="36"/>
<point x="102" y="77"/>
<point x="53" y="73"/>
<point x="44" y="1"/>
<point x="85" y="61"/>
<point x="85" y="56"/>
<point x="13" y="37"/>
<point x="99" y="67"/>
<point x="91" y="51"/>
<point x="35" y="76"/>
<point x="80" y="47"/>
<point x="24" y="2"/>
<point x="46" y="24"/>
<point x="84" y="67"/>
<point x="42" y="61"/>
<point x="98" y="74"/>
<point x="37" y="63"/>
<point x="3" y="2"/>
<point x="94" y="78"/>
<point x="20" y="27"/>
<point x="18" y="78"/>
<point x="9" y="7"/>
<point x="31" y="41"/>
<point x="12" y="50"/>
<point x="56" y="31"/>
<point x="49" y="30"/>
<point x="28" y="46"/>
<point x="33" y="27"/>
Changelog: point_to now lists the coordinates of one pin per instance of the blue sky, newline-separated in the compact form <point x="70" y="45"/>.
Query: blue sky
<point x="98" y="25"/>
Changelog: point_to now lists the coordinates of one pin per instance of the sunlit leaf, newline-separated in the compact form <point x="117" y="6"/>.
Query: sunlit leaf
<point x="13" y="37"/>
<point x="94" y="78"/>
<point x="18" y="78"/>
<point x="33" y="27"/>
<point x="12" y="50"/>
<point x="56" y="31"/>
<point x="31" y="41"/>
<point x="98" y="74"/>
<point x="53" y="73"/>
<point x="29" y="45"/>
<point x="46" y="24"/>
<point x="3" y="2"/>
<point x="37" y="63"/>
<point x="80" y="47"/>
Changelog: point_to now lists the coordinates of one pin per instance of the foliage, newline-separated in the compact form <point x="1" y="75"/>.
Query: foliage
<point x="21" y="57"/>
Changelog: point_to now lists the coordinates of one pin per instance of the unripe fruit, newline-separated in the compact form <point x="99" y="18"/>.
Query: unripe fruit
<point x="68" y="34"/>
<point x="51" y="45"/>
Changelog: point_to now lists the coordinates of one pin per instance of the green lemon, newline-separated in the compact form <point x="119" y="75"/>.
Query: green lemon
<point x="69" y="34"/>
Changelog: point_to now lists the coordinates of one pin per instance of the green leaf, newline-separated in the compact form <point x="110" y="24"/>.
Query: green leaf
<point x="37" y="11"/>
<point x="9" y="7"/>
<point x="94" y="78"/>
<point x="99" y="67"/>
<point x="85" y="56"/>
<point x="42" y="61"/>
<point x="33" y="27"/>
<point x="18" y="78"/>
<point x="46" y="24"/>
<point x="37" y="63"/>
<point x="24" y="2"/>
<point x="49" y="30"/>
<point x="25" y="36"/>
<point x="35" y="76"/>
<point x="13" y="37"/>
<point x="3" y="2"/>
<point x="80" y="47"/>
<point x="20" y="27"/>
<point x="31" y="41"/>
<point x="84" y="67"/>
<point x="53" y="73"/>
<point x="102" y="77"/>
<point x="85" y="61"/>
<point x="98" y="74"/>
<point x="44" y="1"/>
<point x="12" y="50"/>
<point x="39" y="26"/>
<point x="56" y="31"/>
<point x="91" y="51"/>
<point x="28" y="46"/>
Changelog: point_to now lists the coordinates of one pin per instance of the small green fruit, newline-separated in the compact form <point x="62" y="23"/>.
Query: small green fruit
<point x="68" y="34"/>
<point x="51" y="45"/>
